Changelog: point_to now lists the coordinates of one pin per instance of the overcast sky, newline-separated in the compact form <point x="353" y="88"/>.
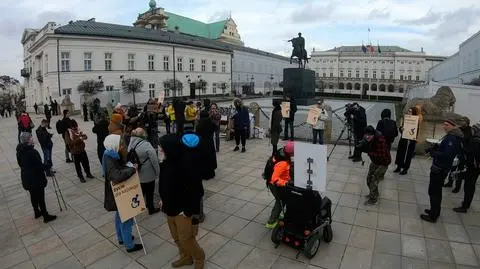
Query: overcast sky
<point x="438" y="26"/>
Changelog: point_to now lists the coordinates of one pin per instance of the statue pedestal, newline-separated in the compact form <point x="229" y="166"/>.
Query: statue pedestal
<point x="300" y="84"/>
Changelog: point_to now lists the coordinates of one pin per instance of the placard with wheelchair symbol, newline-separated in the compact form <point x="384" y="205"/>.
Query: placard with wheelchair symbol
<point x="129" y="198"/>
<point x="310" y="163"/>
<point x="410" y="127"/>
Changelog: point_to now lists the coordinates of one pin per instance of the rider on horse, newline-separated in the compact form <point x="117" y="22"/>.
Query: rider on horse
<point x="298" y="44"/>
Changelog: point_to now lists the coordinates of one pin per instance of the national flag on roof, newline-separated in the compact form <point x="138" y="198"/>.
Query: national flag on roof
<point x="364" y="49"/>
<point x="372" y="49"/>
<point x="378" y="49"/>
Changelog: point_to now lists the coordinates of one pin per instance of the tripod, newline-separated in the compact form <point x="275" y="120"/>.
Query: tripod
<point x="58" y="191"/>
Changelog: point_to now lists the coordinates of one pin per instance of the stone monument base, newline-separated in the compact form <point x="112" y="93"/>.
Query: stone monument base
<point x="299" y="83"/>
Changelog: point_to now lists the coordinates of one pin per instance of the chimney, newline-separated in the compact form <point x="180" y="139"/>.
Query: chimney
<point x="92" y="20"/>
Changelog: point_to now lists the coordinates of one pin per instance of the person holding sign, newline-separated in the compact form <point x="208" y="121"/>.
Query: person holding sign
<point x="406" y="148"/>
<point x="275" y="124"/>
<point x="290" y="119"/>
<point x="115" y="171"/>
<point x="318" y="122"/>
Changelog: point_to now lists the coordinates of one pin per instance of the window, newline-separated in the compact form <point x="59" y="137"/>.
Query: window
<point x="87" y="61"/>
<point x="357" y="73"/>
<point x="214" y="66"/>
<point x="165" y="63"/>
<point x="391" y="62"/>
<point x="324" y="74"/>
<point x="374" y="74"/>
<point x="382" y="75"/>
<point x="179" y="64"/>
<point x="331" y="74"/>
<point x="109" y="88"/>
<point x="166" y="87"/>
<point x="131" y="61"/>
<point x="214" y="88"/>
<point x="151" y="62"/>
<point x="341" y="73"/>
<point x="409" y="77"/>
<point x="374" y="62"/>
<point x="224" y="67"/>
<point x="349" y="62"/>
<point x="358" y="62"/>
<point x="349" y="73"/>
<point x="417" y="78"/>
<point x="67" y="91"/>
<point x="391" y="75"/>
<point x="46" y="64"/>
<point x="204" y="63"/>
<point x="383" y="62"/>
<point x="65" y="63"/>
<point x="401" y="77"/>
<point x="409" y="62"/>
<point x="192" y="65"/>
<point x="366" y="62"/>
<point x="151" y="90"/>
<point x="402" y="62"/>
<point x="365" y="74"/>
<point x="108" y="61"/>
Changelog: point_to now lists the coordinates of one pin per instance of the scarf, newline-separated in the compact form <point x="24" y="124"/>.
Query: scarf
<point x="108" y="153"/>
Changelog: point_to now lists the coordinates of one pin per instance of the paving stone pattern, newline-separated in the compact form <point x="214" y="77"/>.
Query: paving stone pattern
<point x="237" y="204"/>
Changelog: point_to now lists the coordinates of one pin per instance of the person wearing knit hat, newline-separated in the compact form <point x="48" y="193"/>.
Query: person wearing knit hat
<point x="464" y="126"/>
<point x="116" y="126"/>
<point x="472" y="163"/>
<point x="115" y="171"/>
<point x="33" y="175"/>
<point x="443" y="156"/>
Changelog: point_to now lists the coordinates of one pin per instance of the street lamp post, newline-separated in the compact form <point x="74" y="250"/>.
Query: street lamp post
<point x="271" y="84"/>
<point x="252" y="84"/>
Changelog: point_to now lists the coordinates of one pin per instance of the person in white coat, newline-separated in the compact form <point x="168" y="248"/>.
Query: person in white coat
<point x="148" y="167"/>
<point x="319" y="128"/>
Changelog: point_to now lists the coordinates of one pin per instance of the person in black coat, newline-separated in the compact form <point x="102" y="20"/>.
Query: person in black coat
<point x="405" y="149"/>
<point x="388" y="127"/>
<point x="291" y="118"/>
<point x="357" y="118"/>
<point x="45" y="140"/>
<point x="179" y="108"/>
<point x="181" y="192"/>
<point x="100" y="128"/>
<point x="48" y="115"/>
<point x="241" y="120"/>
<point x="464" y="126"/>
<point x="206" y="130"/>
<point x="33" y="175"/>
<point x="85" y="111"/>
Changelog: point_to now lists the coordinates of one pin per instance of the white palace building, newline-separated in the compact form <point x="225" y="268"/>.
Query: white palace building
<point x="365" y="71"/>
<point x="159" y="47"/>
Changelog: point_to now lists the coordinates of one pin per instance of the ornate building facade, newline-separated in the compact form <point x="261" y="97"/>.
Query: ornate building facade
<point x="366" y="71"/>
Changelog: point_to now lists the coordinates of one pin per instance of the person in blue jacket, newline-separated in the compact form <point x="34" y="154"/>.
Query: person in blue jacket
<point x="241" y="121"/>
<point x="443" y="155"/>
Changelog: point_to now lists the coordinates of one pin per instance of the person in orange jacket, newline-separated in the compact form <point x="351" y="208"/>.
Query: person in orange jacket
<point x="280" y="178"/>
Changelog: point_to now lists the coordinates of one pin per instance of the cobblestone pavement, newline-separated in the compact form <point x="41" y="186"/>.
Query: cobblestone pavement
<point x="237" y="204"/>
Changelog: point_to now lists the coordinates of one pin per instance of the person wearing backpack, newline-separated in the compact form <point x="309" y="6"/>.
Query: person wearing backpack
<point x="25" y="124"/>
<point x="75" y="140"/>
<point x="279" y="166"/>
<point x="387" y="127"/>
<point x="141" y="153"/>
<point x="45" y="140"/>
<point x="472" y="154"/>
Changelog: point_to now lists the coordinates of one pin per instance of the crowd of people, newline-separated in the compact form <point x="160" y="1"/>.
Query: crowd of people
<point x="128" y="142"/>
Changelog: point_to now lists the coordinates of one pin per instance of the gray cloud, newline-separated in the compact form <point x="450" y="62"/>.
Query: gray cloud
<point x="219" y="15"/>
<point x="13" y="26"/>
<point x="379" y="14"/>
<point x="429" y="18"/>
<point x="309" y="12"/>
<point x="456" y="23"/>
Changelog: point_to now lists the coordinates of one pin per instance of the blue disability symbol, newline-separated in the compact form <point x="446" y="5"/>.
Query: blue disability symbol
<point x="135" y="201"/>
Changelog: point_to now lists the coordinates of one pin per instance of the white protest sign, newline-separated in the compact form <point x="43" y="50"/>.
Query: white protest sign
<point x="129" y="198"/>
<point x="310" y="157"/>
<point x="410" y="127"/>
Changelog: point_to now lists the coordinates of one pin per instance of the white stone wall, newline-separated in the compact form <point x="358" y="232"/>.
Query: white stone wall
<point x="247" y="65"/>
<point x="46" y="63"/>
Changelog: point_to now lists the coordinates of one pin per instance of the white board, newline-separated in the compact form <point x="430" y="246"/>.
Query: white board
<point x="304" y="151"/>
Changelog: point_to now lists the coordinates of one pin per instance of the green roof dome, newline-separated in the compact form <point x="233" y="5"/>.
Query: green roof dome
<point x="152" y="4"/>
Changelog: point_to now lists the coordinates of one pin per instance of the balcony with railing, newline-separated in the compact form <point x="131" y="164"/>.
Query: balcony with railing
<point x="24" y="72"/>
<point x="39" y="76"/>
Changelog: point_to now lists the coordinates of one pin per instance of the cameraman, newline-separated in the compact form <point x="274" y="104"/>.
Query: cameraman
<point x="375" y="145"/>
<point x="357" y="119"/>
<point x="443" y="155"/>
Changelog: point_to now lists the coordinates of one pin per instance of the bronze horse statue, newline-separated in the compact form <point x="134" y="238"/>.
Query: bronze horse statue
<point x="298" y="44"/>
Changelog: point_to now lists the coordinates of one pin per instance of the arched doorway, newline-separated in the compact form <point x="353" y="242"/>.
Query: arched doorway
<point x="357" y="86"/>
<point x="400" y="89"/>
<point x="391" y="88"/>
<point x="349" y="86"/>
<point x="373" y="87"/>
<point x="341" y="86"/>
<point x="365" y="87"/>
<point x="382" y="87"/>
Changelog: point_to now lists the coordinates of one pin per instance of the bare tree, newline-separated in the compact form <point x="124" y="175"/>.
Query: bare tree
<point x="90" y="87"/>
<point x="133" y="86"/>
<point x="475" y="82"/>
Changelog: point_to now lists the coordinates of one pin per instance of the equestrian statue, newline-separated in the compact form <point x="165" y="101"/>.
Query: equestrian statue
<point x="298" y="44"/>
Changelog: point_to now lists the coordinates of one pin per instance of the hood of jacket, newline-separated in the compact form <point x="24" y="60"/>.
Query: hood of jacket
<point x="170" y="146"/>
<point x="24" y="147"/>
<point x="456" y="132"/>
<point x="140" y="144"/>
<point x="190" y="140"/>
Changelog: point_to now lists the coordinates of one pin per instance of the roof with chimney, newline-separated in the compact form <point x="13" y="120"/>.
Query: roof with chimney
<point x="359" y="49"/>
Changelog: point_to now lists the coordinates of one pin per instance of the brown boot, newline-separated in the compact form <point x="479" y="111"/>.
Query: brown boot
<point x="182" y="262"/>
<point x="199" y="264"/>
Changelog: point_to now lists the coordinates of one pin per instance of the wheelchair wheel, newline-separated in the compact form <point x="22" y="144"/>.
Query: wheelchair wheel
<point x="327" y="234"/>
<point x="311" y="248"/>
<point x="277" y="235"/>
